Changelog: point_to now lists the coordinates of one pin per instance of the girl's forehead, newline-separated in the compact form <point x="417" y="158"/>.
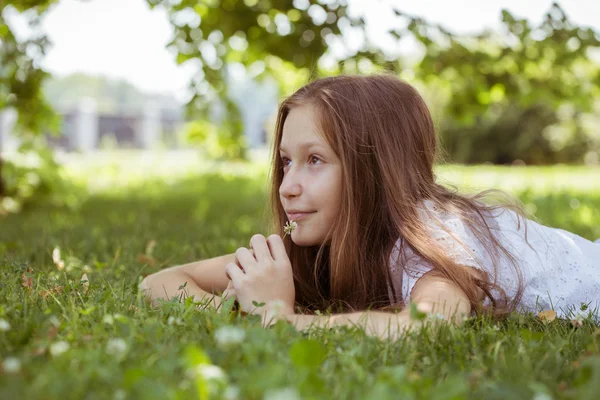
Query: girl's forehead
<point x="300" y="131"/>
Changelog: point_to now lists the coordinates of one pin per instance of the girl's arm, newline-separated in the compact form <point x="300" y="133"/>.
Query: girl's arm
<point x="431" y="294"/>
<point x="201" y="279"/>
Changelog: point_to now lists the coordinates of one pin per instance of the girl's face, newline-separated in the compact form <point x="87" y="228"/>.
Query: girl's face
<point x="312" y="178"/>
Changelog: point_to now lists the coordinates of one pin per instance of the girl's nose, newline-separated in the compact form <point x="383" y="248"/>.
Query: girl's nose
<point x="290" y="186"/>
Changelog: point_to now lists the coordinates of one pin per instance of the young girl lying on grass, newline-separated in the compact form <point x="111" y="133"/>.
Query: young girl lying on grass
<point x="352" y="167"/>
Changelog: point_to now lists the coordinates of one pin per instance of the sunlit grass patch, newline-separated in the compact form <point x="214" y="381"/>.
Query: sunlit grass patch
<point x="63" y="336"/>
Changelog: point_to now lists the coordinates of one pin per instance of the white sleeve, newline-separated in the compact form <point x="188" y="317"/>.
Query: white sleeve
<point x="472" y="255"/>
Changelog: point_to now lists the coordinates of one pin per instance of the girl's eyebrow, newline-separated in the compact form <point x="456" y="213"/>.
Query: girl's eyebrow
<point x="302" y="146"/>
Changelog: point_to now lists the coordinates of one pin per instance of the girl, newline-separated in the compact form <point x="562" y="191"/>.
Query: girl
<point x="352" y="166"/>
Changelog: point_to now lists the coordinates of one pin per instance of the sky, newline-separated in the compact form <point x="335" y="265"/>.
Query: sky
<point x="124" y="39"/>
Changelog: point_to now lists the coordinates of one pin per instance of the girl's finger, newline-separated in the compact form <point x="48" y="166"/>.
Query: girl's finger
<point x="234" y="272"/>
<point x="244" y="258"/>
<point x="261" y="248"/>
<point x="228" y="293"/>
<point x="277" y="247"/>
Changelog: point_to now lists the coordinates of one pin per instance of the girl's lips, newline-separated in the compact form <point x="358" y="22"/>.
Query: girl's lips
<point x="297" y="216"/>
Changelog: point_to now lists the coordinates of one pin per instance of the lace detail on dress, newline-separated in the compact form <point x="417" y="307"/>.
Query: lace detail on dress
<point x="470" y="253"/>
<point x="559" y="269"/>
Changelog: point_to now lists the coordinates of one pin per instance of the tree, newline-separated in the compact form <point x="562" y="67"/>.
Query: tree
<point x="283" y="38"/>
<point x="507" y="92"/>
<point x="21" y="80"/>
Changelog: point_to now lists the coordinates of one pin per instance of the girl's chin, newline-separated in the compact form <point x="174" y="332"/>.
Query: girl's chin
<point x="301" y="241"/>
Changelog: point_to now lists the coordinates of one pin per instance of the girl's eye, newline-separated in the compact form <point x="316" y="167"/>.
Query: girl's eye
<point x="315" y="158"/>
<point x="284" y="160"/>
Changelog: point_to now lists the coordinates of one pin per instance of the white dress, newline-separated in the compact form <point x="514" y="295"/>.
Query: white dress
<point x="560" y="270"/>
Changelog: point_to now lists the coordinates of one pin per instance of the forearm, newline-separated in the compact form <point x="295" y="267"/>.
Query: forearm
<point x="384" y="325"/>
<point x="166" y="284"/>
<point x="375" y="323"/>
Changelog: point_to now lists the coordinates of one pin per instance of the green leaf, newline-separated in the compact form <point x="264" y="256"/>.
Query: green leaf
<point x="257" y="305"/>
<point x="307" y="353"/>
<point x="415" y="313"/>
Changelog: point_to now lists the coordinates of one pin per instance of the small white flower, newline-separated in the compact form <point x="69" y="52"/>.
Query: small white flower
<point x="541" y="396"/>
<point x="227" y="335"/>
<point x="282" y="394"/>
<point x="174" y="320"/>
<point x="436" y="316"/>
<point x="289" y="227"/>
<point x="4" y="325"/>
<point x="57" y="348"/>
<point x="116" y="347"/>
<point x="120" y="394"/>
<point x="231" y="393"/>
<point x="108" y="319"/>
<point x="11" y="365"/>
<point x="86" y="268"/>
<point x="11" y="205"/>
<point x="578" y="319"/>
<point x="211" y="372"/>
<point x="54" y="320"/>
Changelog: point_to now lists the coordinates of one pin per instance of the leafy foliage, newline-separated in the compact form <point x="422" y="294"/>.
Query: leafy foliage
<point x="522" y="93"/>
<point x="21" y="88"/>
<point x="20" y="77"/>
<point x="283" y="38"/>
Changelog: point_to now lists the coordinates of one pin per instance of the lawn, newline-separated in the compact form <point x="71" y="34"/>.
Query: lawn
<point x="62" y="339"/>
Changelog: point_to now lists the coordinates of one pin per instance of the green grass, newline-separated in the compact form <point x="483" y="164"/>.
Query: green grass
<point x="199" y="214"/>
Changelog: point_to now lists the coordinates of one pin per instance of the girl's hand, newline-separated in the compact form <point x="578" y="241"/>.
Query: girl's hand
<point x="265" y="277"/>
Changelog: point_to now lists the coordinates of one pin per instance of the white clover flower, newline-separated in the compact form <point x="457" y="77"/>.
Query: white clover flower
<point x="289" y="227"/>
<point x="210" y="372"/>
<point x="116" y="347"/>
<point x="57" y="348"/>
<point x="11" y="365"/>
<point x="578" y="319"/>
<point x="108" y="319"/>
<point x="436" y="316"/>
<point x="227" y="335"/>
<point x="54" y="320"/>
<point x="282" y="394"/>
<point x="11" y="205"/>
<point x="120" y="394"/>
<point x="174" y="320"/>
<point x="4" y="325"/>
<point x="231" y="393"/>
<point x="541" y="396"/>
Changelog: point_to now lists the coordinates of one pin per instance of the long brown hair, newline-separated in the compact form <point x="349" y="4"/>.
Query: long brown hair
<point x="382" y="131"/>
